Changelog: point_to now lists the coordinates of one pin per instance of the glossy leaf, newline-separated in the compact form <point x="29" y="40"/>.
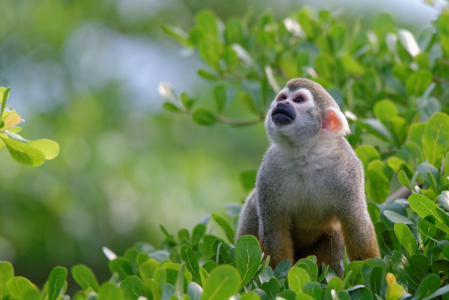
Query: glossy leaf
<point x="436" y="138"/>
<point x="224" y="282"/>
<point x="247" y="257"/>
<point x="85" y="278"/>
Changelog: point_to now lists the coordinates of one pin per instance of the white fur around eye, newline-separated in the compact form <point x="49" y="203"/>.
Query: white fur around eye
<point x="308" y="97"/>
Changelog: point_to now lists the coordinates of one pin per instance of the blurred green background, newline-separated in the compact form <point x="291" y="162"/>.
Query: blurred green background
<point x="85" y="74"/>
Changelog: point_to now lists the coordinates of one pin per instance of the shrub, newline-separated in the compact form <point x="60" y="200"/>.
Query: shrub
<point x="396" y="85"/>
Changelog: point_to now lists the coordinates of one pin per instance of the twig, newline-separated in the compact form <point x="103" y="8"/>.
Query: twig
<point x="239" y="122"/>
<point x="440" y="80"/>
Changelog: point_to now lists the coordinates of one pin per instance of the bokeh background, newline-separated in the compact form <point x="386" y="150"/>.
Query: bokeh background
<point x="86" y="73"/>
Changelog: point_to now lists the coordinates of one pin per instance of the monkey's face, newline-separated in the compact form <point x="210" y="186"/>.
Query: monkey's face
<point x="293" y="115"/>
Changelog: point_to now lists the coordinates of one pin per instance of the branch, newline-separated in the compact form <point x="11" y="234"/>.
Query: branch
<point x="440" y="80"/>
<point x="240" y="123"/>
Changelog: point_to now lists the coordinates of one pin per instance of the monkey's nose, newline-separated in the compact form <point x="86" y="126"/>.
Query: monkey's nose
<point x="282" y="104"/>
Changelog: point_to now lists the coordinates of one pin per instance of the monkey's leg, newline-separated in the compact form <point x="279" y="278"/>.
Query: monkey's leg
<point x="275" y="237"/>
<point x="359" y="234"/>
<point x="248" y="219"/>
<point x="330" y="250"/>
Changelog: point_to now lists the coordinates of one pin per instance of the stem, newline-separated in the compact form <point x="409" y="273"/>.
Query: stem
<point x="238" y="122"/>
<point x="440" y="80"/>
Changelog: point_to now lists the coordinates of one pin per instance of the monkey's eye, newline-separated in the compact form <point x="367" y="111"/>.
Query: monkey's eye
<point x="299" y="99"/>
<point x="282" y="98"/>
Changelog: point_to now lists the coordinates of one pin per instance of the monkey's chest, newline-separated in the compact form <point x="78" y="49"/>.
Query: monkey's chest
<point x="308" y="193"/>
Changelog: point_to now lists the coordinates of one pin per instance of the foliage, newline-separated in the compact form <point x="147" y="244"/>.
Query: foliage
<point x="31" y="153"/>
<point x="396" y="85"/>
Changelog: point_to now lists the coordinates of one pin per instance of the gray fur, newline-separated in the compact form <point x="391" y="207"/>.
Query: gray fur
<point x="309" y="190"/>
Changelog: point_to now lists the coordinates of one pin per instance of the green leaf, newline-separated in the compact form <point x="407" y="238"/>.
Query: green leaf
<point x="287" y="63"/>
<point x="18" y="286"/>
<point x="204" y="276"/>
<point x="204" y="116"/>
<point x="132" y="287"/>
<point x="379" y="176"/>
<point x="179" y="283"/>
<point x="249" y="102"/>
<point x="234" y="31"/>
<point x="436" y="138"/>
<point x="313" y="289"/>
<point x="385" y="110"/>
<point x="367" y="268"/>
<point x="56" y="282"/>
<point x="48" y="147"/>
<point x="303" y="296"/>
<point x="282" y="269"/>
<point x="170" y="107"/>
<point x="382" y="24"/>
<point x="85" y="278"/>
<point x="250" y="296"/>
<point x="6" y="273"/>
<point x="188" y="256"/>
<point x="5" y="95"/>
<point x="334" y="285"/>
<point x="197" y="234"/>
<point x="32" y="294"/>
<point x="147" y="268"/>
<point x="169" y="236"/>
<point x="439" y="292"/>
<point x="297" y="278"/>
<point x="210" y="51"/>
<point x="420" y="265"/>
<point x="398" y="128"/>
<point x="418" y="82"/>
<point x="122" y="267"/>
<point x="403" y="179"/>
<point x="406" y="238"/>
<point x="24" y="153"/>
<point x="230" y="232"/>
<point x="394" y="291"/>
<point x="177" y="33"/>
<point x="206" y="75"/>
<point x="184" y="236"/>
<point x="248" y="180"/>
<point x="396" y="218"/>
<point x="224" y="282"/>
<point x="356" y="277"/>
<point x="376" y="280"/>
<point x="323" y="66"/>
<point x="271" y="288"/>
<point x="425" y="207"/>
<point x="247" y="257"/>
<point x="220" y="97"/>
<point x="429" y="285"/>
<point x="367" y="154"/>
<point x="110" y="291"/>
<point x="362" y="294"/>
<point x="206" y="22"/>
<point x="309" y="266"/>
<point x="416" y="133"/>
<point x="351" y="65"/>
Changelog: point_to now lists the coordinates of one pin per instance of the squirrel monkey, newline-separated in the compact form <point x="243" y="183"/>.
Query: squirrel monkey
<point x="309" y="197"/>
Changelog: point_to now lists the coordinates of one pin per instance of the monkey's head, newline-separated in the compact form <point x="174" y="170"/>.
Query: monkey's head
<point x="303" y="111"/>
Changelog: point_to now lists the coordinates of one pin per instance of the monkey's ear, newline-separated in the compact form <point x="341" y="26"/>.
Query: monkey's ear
<point x="335" y="123"/>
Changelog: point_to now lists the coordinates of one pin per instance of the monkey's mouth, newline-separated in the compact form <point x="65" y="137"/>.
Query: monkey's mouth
<point x="283" y="115"/>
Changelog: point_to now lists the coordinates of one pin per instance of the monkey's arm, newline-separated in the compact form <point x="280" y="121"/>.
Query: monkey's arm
<point x="358" y="230"/>
<point x="275" y="238"/>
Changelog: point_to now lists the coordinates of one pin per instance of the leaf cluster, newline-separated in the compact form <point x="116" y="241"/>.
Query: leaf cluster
<point x="30" y="153"/>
